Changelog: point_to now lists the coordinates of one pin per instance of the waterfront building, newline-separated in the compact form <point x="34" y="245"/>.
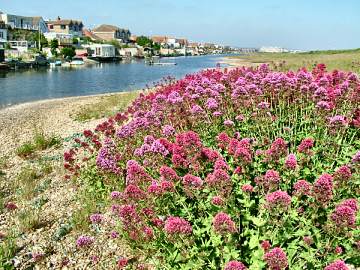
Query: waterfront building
<point x="24" y="22"/>
<point x="62" y="38"/>
<point x="88" y="33"/>
<point x="273" y="49"/>
<point x="110" y="32"/>
<point x="66" y="26"/>
<point x="159" y="39"/>
<point x="3" y="34"/>
<point x="129" y="52"/>
<point x="22" y="46"/>
<point x="102" y="51"/>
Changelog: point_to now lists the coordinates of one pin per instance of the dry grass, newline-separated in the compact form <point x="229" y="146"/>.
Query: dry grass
<point x="348" y="60"/>
<point x="107" y="106"/>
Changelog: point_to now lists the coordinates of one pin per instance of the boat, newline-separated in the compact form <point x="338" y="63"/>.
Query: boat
<point x="56" y="63"/>
<point x="77" y="61"/>
<point x="164" y="64"/>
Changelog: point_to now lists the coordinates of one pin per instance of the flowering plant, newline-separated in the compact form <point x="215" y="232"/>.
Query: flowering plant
<point x="237" y="169"/>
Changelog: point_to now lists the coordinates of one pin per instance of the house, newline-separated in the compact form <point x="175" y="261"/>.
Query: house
<point x="23" y="22"/>
<point x="109" y="32"/>
<point x="129" y="52"/>
<point x="63" y="39"/>
<point x="102" y="51"/>
<point x="273" y="49"/>
<point x="3" y="34"/>
<point x="159" y="39"/>
<point x="22" y="46"/>
<point x="88" y="33"/>
<point x="182" y="41"/>
<point x="133" y="39"/>
<point x="66" y="26"/>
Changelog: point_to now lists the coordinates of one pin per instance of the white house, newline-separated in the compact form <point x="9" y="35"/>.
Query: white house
<point x="62" y="38"/>
<point x="22" y="46"/>
<point x="173" y="43"/>
<point x="102" y="50"/>
<point x="129" y="52"/>
<point x="3" y="34"/>
<point x="23" y="22"/>
<point x="273" y="49"/>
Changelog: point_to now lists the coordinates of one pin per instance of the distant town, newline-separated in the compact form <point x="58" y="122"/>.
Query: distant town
<point x="34" y="41"/>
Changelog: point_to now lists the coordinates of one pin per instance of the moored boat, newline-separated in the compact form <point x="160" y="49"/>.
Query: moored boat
<point x="77" y="61"/>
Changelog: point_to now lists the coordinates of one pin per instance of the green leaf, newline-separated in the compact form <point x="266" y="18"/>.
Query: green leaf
<point x="258" y="221"/>
<point x="254" y="241"/>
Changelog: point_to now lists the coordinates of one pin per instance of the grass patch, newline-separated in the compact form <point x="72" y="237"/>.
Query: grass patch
<point x="105" y="107"/>
<point x="25" y="150"/>
<point x="4" y="162"/>
<point x="348" y="60"/>
<point x="29" y="220"/>
<point x="8" y="250"/>
<point x="43" y="142"/>
<point x="30" y="179"/>
<point x="39" y="142"/>
<point x="27" y="181"/>
<point x="80" y="219"/>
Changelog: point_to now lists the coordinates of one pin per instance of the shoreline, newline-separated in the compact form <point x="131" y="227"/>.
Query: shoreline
<point x="235" y="62"/>
<point x="60" y="99"/>
<point x="18" y="123"/>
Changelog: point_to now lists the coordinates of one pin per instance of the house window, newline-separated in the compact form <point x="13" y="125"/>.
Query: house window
<point x="63" y="26"/>
<point x="1" y="34"/>
<point x="51" y="26"/>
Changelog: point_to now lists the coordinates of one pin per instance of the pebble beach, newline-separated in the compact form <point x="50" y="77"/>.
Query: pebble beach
<point x="41" y="247"/>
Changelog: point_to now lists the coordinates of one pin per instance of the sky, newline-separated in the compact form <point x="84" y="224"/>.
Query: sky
<point x="293" y="24"/>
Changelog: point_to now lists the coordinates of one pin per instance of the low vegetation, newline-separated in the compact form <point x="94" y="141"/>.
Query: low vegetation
<point x="243" y="169"/>
<point x="348" y="60"/>
<point x="39" y="142"/>
<point x="106" y="107"/>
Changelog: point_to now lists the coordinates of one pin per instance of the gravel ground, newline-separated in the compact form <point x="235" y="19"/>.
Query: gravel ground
<point x="59" y="201"/>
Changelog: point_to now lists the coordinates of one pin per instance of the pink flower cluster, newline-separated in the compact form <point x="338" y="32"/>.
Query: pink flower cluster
<point x="223" y="224"/>
<point x="84" y="241"/>
<point x="177" y="226"/>
<point x="278" y="200"/>
<point x="276" y="259"/>
<point x="337" y="265"/>
<point x="235" y="265"/>
<point x="344" y="215"/>
<point x="323" y="189"/>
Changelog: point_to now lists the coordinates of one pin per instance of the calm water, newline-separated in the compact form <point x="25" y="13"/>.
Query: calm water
<point x="30" y="85"/>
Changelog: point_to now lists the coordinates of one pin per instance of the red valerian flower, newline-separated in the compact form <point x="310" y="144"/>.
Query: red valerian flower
<point x="122" y="263"/>
<point x="217" y="200"/>
<point x="276" y="259"/>
<point x="337" y="265"/>
<point x="305" y="145"/>
<point x="343" y="216"/>
<point x="223" y="224"/>
<point x="323" y="188"/>
<point x="235" y="265"/>
<point x="302" y="188"/>
<point x="265" y="245"/>
<point x="291" y="162"/>
<point x="177" y="225"/>
<point x="278" y="200"/>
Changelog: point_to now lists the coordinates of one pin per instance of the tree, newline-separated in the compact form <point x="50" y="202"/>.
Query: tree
<point x="68" y="52"/>
<point x="54" y="44"/>
<point x="144" y="41"/>
<point x="28" y="35"/>
<point x="115" y="43"/>
<point x="156" y="46"/>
